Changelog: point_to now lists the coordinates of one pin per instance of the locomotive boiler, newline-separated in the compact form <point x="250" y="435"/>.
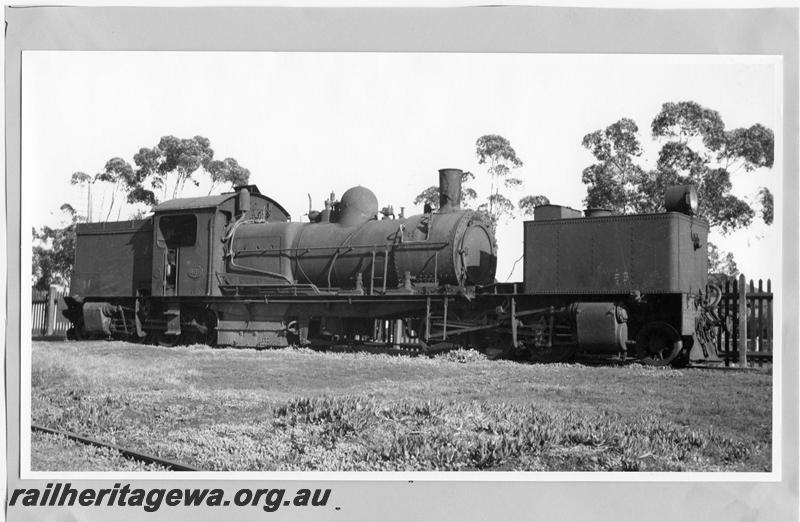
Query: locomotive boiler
<point x="235" y="270"/>
<point x="346" y="246"/>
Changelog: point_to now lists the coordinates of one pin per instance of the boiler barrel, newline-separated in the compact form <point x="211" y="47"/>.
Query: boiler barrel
<point x="452" y="248"/>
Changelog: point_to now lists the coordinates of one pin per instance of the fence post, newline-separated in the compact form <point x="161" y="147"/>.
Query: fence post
<point x="742" y="340"/>
<point x="769" y="316"/>
<point x="52" y="302"/>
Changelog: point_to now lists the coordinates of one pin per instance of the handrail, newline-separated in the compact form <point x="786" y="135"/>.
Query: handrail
<point x="230" y="236"/>
<point x="439" y="244"/>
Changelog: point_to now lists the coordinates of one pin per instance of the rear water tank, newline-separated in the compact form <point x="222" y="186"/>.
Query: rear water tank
<point x="619" y="254"/>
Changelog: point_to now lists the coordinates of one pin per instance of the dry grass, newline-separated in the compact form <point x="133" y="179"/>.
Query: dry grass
<point x="296" y="409"/>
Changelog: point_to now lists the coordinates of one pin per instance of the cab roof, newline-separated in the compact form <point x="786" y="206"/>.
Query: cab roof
<point x="205" y="202"/>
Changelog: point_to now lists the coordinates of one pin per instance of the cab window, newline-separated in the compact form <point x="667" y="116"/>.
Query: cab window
<point x="178" y="231"/>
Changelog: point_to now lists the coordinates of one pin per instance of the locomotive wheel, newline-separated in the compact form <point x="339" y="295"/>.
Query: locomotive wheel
<point x="658" y="344"/>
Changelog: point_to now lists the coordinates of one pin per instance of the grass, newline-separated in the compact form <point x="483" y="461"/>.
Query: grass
<point x="55" y="452"/>
<point x="300" y="410"/>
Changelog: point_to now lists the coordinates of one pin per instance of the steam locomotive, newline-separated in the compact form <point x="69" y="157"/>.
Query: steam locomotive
<point x="234" y="270"/>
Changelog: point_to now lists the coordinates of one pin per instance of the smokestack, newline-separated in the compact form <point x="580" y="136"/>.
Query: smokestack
<point x="450" y="190"/>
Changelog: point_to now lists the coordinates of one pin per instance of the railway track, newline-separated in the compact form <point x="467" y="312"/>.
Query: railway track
<point x="127" y="453"/>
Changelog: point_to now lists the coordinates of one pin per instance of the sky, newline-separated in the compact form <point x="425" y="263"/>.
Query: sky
<point x="311" y="123"/>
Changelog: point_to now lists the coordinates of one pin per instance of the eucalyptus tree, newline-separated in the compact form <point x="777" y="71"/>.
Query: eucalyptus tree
<point x="694" y="148"/>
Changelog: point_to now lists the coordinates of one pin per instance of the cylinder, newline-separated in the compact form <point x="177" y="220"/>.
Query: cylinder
<point x="600" y="327"/>
<point x="450" y="190"/>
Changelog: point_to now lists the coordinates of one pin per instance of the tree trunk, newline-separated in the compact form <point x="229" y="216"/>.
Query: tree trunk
<point x="111" y="206"/>
<point x="89" y="204"/>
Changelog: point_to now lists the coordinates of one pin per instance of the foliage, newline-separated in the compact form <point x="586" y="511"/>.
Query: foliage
<point x="227" y="171"/>
<point x="171" y="163"/>
<point x="80" y="178"/>
<point x="614" y="181"/>
<point x="767" y="205"/>
<point x="497" y="152"/>
<point x="428" y="197"/>
<point x="162" y="171"/>
<point x="695" y="149"/>
<point x="166" y="167"/>
<point x="119" y="174"/>
<point x="233" y="409"/>
<point x="721" y="265"/>
<point x="54" y="252"/>
<point x="529" y="203"/>
<point x="462" y="355"/>
<point x="500" y="157"/>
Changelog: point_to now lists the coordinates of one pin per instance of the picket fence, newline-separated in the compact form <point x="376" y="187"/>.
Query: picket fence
<point x="747" y="309"/>
<point x="46" y="317"/>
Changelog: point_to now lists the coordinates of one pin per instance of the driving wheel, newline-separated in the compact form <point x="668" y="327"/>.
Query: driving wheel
<point x="658" y="344"/>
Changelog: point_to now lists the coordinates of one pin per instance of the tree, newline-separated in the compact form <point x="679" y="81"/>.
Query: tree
<point x="119" y="174"/>
<point x="83" y="179"/>
<point x="227" y="171"/>
<point x="428" y="197"/>
<point x="695" y="149"/>
<point x="614" y="181"/>
<point x="162" y="171"/>
<point x="767" y="205"/>
<point x="721" y="266"/>
<point x="497" y="152"/>
<point x="173" y="162"/>
<point x="529" y="203"/>
<point x="54" y="252"/>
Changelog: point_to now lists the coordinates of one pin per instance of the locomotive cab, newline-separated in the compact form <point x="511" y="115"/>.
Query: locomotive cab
<point x="187" y="243"/>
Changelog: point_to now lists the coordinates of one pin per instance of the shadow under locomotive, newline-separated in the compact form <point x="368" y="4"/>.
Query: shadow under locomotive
<point x="234" y="270"/>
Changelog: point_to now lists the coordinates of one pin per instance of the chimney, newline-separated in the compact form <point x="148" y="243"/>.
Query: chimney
<point x="450" y="190"/>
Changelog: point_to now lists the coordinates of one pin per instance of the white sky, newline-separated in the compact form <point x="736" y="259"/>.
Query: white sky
<point x="320" y="122"/>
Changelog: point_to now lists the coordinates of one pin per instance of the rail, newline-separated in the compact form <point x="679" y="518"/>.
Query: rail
<point x="127" y="453"/>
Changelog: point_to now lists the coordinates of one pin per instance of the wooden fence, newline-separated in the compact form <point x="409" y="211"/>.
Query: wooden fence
<point x="46" y="317"/>
<point x="746" y="341"/>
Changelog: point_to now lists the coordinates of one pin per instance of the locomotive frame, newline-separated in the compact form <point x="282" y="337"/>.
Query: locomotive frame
<point x="233" y="270"/>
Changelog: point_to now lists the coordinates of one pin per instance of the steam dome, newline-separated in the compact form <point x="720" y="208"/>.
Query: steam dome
<point x="358" y="205"/>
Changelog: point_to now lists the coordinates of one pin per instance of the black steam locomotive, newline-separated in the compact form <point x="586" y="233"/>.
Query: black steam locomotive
<point x="234" y="270"/>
